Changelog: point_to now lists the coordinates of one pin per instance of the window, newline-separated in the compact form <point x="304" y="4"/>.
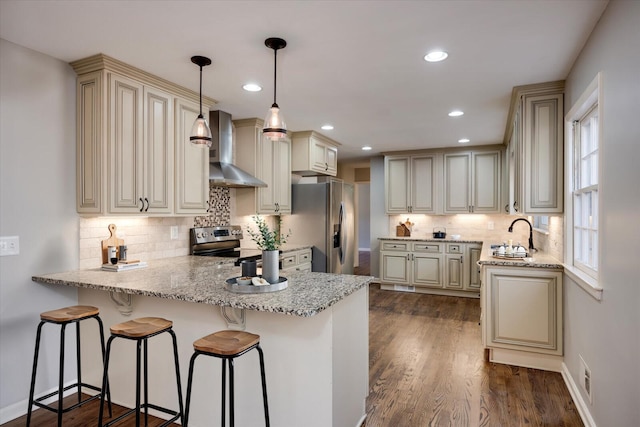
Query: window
<point x="541" y="223"/>
<point x="583" y="138"/>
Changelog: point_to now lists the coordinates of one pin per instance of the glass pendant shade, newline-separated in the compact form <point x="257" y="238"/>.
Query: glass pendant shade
<point x="200" y="132"/>
<point x="274" y="125"/>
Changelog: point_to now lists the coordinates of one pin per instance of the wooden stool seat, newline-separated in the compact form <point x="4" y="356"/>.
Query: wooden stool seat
<point x="226" y="343"/>
<point x="67" y="314"/>
<point x="141" y="330"/>
<point x="141" y="327"/>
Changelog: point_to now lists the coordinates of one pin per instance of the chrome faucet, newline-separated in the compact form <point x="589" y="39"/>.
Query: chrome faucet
<point x="530" y="231"/>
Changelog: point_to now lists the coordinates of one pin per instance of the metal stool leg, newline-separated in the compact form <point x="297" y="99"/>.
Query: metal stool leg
<point x="105" y="380"/>
<point x="224" y="389"/>
<point x="146" y="382"/>
<point x="179" y="385"/>
<point x="78" y="362"/>
<point x="231" y="393"/>
<point x="264" y="387"/>
<point x="138" y="372"/>
<point x="33" y="373"/>
<point x="102" y="390"/>
<point x="189" y="385"/>
<point x="61" y="374"/>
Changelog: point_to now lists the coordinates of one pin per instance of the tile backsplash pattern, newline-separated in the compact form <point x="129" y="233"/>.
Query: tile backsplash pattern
<point x="220" y="207"/>
<point x="146" y="238"/>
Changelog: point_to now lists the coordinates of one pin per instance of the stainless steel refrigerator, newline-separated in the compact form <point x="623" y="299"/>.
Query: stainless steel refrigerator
<point x="322" y="215"/>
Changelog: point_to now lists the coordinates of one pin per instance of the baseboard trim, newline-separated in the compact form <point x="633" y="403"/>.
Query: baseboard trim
<point x="545" y="362"/>
<point x="18" y="409"/>
<point x="581" y="405"/>
<point x="362" y="420"/>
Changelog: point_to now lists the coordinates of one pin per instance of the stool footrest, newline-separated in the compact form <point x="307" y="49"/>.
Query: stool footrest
<point x="38" y="402"/>
<point x="175" y="414"/>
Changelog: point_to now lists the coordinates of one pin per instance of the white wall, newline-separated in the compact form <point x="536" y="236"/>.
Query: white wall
<point x="362" y="190"/>
<point x="379" y="222"/>
<point x="607" y="333"/>
<point x="37" y="203"/>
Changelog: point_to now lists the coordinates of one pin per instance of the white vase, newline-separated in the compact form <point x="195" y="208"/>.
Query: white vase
<point x="270" y="264"/>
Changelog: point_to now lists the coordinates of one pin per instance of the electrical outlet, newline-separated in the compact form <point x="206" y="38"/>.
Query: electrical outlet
<point x="174" y="232"/>
<point x="9" y="245"/>
<point x="585" y="379"/>
<point x="490" y="225"/>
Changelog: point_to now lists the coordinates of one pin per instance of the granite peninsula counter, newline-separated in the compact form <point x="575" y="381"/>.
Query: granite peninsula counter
<point x="314" y="334"/>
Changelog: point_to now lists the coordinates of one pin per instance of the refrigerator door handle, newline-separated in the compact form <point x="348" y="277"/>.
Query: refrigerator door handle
<point x="342" y="232"/>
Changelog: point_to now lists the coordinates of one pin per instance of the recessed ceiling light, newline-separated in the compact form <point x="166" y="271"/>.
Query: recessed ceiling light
<point x="366" y="148"/>
<point x="456" y="113"/>
<point x="252" y="87"/>
<point x="463" y="140"/>
<point x="327" y="127"/>
<point x="436" y="56"/>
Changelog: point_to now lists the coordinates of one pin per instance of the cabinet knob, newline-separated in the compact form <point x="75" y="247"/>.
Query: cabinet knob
<point x="326" y="166"/>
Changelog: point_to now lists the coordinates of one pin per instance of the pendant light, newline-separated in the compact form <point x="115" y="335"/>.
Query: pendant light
<point x="200" y="131"/>
<point x="274" y="125"/>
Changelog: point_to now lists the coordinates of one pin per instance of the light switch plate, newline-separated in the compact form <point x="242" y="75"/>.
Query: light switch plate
<point x="174" y="232"/>
<point x="9" y="245"/>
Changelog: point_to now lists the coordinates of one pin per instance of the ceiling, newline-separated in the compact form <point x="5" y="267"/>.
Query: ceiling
<point x="357" y="65"/>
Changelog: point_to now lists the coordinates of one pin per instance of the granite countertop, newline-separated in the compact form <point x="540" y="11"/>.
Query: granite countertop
<point x="201" y="280"/>
<point x="539" y="259"/>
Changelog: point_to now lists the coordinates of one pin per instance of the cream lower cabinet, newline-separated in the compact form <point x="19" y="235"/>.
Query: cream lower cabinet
<point x="296" y="261"/>
<point x="444" y="268"/>
<point x="126" y="139"/>
<point x="411" y="264"/>
<point x="268" y="159"/>
<point x="522" y="309"/>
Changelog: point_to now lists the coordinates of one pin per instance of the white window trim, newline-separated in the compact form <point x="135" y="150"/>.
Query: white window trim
<point x="593" y="93"/>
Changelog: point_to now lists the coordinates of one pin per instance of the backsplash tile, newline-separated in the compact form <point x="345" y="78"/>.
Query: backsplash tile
<point x="220" y="203"/>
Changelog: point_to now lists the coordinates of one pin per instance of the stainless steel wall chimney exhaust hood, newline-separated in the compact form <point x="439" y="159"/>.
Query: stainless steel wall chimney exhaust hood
<point x="222" y="171"/>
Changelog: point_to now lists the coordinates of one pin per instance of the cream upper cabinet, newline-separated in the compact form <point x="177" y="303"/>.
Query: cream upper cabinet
<point x="535" y="148"/>
<point x="192" y="163"/>
<point x="313" y="154"/>
<point x="472" y="182"/>
<point x="411" y="183"/>
<point x="140" y="144"/>
<point x="268" y="159"/>
<point x="127" y="125"/>
<point x="522" y="309"/>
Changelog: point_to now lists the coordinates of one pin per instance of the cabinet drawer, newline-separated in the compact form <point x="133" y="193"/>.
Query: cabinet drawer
<point x="455" y="248"/>
<point x="304" y="256"/>
<point x="289" y="261"/>
<point x="395" y="246"/>
<point x="427" y="247"/>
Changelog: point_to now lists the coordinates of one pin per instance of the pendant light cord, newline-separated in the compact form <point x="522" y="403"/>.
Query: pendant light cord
<point x="275" y="73"/>
<point x="201" y="91"/>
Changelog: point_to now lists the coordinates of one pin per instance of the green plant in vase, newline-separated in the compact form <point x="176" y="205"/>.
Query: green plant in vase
<point x="269" y="241"/>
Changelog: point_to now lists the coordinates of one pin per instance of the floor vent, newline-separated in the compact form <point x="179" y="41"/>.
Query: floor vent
<point x="404" y="288"/>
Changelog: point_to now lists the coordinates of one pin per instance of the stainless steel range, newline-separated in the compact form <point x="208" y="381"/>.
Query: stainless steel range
<point x="221" y="241"/>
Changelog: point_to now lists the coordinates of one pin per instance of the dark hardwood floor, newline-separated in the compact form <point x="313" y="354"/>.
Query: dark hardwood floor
<point x="364" y="267"/>
<point x="426" y="368"/>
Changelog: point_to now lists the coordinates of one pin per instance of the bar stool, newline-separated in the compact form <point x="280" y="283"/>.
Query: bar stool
<point x="140" y="330"/>
<point x="63" y="317"/>
<point x="227" y="345"/>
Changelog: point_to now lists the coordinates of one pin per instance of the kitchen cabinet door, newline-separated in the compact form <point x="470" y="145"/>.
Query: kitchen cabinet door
<point x="472" y="182"/>
<point x="411" y="183"/>
<point x="395" y="267"/>
<point x="269" y="159"/>
<point x="543" y="153"/>
<point x="454" y="267"/>
<point x="523" y="309"/>
<point x="91" y="147"/>
<point x="472" y="269"/>
<point x="427" y="270"/>
<point x="192" y="163"/>
<point x="313" y="154"/>
<point x="126" y="147"/>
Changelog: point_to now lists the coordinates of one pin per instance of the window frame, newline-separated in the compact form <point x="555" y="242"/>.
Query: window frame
<point x="584" y="274"/>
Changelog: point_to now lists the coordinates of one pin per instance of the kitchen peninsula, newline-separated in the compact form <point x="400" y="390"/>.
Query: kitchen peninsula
<point x="314" y="334"/>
